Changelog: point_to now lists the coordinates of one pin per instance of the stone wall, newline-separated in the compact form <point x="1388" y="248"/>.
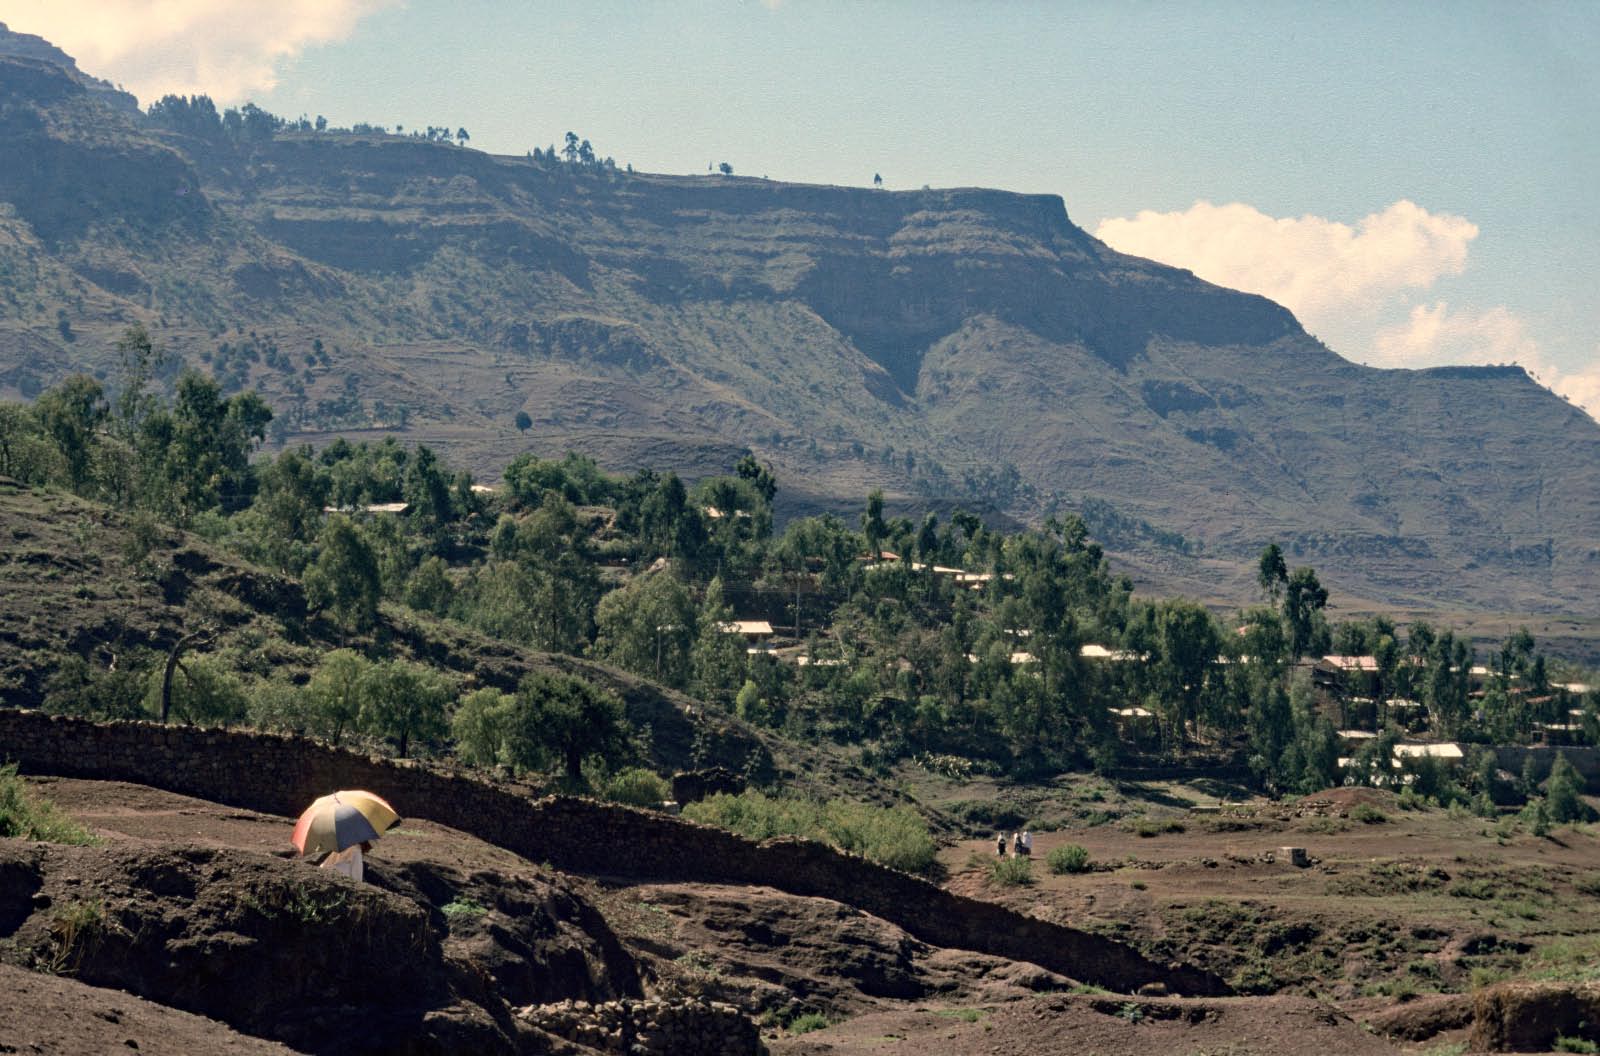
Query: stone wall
<point x="685" y="1027"/>
<point x="281" y="774"/>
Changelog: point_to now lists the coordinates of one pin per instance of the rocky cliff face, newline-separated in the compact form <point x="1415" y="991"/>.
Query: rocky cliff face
<point x="954" y="345"/>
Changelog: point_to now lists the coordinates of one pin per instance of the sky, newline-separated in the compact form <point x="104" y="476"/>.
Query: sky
<point x="1414" y="180"/>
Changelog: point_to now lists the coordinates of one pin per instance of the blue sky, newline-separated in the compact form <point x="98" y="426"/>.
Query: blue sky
<point x="1414" y="180"/>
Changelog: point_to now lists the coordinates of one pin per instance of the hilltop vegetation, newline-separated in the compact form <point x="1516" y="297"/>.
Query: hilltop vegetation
<point x="965" y="646"/>
<point x="955" y="347"/>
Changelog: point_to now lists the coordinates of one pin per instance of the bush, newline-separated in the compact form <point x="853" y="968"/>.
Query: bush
<point x="1011" y="872"/>
<point x="637" y="787"/>
<point x="1562" y="793"/>
<point x="1072" y="858"/>
<point x="1368" y="814"/>
<point x="896" y="836"/>
<point x="28" y="816"/>
<point x="807" y="1023"/>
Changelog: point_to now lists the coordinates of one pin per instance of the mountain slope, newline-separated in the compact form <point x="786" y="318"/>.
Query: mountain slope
<point x="954" y="345"/>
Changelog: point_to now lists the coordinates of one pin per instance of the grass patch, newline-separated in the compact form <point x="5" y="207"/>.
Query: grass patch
<point x="1011" y="872"/>
<point x="74" y="932"/>
<point x="1073" y="858"/>
<point x="1588" y="885"/>
<point x="1566" y="1044"/>
<point x="462" y="907"/>
<point x="1148" y="827"/>
<point x="966" y="1015"/>
<point x="892" y="836"/>
<point x="1368" y="814"/>
<point x="26" y="815"/>
<point x="807" y="1023"/>
<point x="1480" y="889"/>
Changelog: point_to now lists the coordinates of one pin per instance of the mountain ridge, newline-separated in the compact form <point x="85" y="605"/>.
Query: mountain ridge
<point x="958" y="346"/>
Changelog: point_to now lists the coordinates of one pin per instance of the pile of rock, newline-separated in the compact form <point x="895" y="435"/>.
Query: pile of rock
<point x="687" y="1026"/>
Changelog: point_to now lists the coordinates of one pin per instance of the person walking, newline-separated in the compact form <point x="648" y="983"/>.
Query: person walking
<point x="1000" y="845"/>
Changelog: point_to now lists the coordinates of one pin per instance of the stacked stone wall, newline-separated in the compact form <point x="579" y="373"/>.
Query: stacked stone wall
<point x="281" y="774"/>
<point x="684" y="1027"/>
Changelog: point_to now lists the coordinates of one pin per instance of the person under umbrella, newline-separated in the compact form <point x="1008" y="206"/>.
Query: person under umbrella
<point x="342" y="826"/>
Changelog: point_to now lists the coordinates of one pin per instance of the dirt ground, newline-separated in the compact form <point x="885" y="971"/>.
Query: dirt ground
<point x="54" y="1016"/>
<point x="1408" y="902"/>
<point x="1419" y="899"/>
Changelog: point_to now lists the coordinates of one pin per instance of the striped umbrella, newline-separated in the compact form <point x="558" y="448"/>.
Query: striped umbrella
<point x="342" y="820"/>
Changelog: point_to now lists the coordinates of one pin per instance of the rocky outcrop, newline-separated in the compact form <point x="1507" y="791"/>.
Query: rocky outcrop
<point x="1529" y="1017"/>
<point x="281" y="774"/>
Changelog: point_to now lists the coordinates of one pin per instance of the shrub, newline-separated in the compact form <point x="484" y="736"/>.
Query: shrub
<point x="28" y="816"/>
<point x="894" y="836"/>
<point x="1072" y="858"/>
<point x="807" y="1023"/>
<point x="462" y="907"/>
<point x="1148" y="827"/>
<point x="637" y="787"/>
<point x="1562" y="793"/>
<point x="1570" y="1044"/>
<point x="1480" y="889"/>
<point x="1011" y="872"/>
<point x="1368" y="814"/>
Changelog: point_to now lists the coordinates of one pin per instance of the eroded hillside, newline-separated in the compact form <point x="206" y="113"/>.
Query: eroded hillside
<point x="958" y="345"/>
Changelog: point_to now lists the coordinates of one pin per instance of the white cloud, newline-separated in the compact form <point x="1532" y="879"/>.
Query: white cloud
<point x="228" y="49"/>
<point x="1317" y="268"/>
<point x="1346" y="281"/>
<point x="1433" y="335"/>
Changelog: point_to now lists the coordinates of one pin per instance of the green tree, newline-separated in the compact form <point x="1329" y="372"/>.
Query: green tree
<point x="205" y="692"/>
<point x="717" y="658"/>
<point x="26" y="453"/>
<point x="427" y="489"/>
<point x="565" y="717"/>
<point x="648" y="627"/>
<point x="523" y="422"/>
<point x="1188" y="647"/>
<point x="1272" y="573"/>
<point x="872" y="524"/>
<point x="405" y="702"/>
<point x="1564" y="791"/>
<point x="429" y="589"/>
<point x="479" y="726"/>
<point x="1303" y="602"/>
<point x="71" y="414"/>
<point x="345" y="579"/>
<point x="282" y="522"/>
<point x="335" y="693"/>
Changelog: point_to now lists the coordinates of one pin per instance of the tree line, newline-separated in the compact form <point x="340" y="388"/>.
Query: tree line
<point x="645" y="571"/>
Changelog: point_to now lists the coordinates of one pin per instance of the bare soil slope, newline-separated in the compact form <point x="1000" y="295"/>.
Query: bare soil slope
<point x="183" y="881"/>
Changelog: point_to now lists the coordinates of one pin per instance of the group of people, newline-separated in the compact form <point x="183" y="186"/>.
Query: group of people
<point x="1021" y="844"/>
